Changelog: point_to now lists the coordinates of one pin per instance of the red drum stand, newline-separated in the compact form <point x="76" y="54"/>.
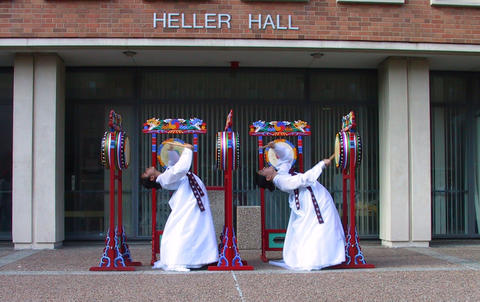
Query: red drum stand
<point x="350" y="157"/>
<point x="116" y="254"/>
<point x="229" y="256"/>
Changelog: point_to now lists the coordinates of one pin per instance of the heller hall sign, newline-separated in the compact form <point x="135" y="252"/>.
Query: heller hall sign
<point x="213" y="20"/>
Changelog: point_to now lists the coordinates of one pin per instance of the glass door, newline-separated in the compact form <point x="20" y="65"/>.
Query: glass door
<point x="455" y="144"/>
<point x="87" y="181"/>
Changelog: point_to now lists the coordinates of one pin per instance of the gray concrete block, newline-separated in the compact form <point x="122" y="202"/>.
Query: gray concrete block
<point x="217" y="207"/>
<point x="249" y="228"/>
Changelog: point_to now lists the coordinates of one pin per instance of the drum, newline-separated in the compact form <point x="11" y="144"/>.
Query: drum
<point x="358" y="150"/>
<point x="341" y="150"/>
<point x="346" y="142"/>
<point x="122" y="150"/>
<point x="104" y="150"/>
<point x="120" y="146"/>
<point x="221" y="150"/>
<point x="271" y="158"/>
<point x="164" y="157"/>
<point x="105" y="147"/>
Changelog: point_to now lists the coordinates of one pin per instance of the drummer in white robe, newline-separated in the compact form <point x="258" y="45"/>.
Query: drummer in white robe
<point x="188" y="239"/>
<point x="315" y="238"/>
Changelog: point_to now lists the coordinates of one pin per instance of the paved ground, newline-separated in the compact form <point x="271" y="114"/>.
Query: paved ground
<point x="444" y="272"/>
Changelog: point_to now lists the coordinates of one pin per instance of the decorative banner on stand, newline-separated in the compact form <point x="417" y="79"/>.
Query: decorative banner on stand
<point x="279" y="128"/>
<point x="349" y="122"/>
<point x="115" y="121"/>
<point x="174" y="126"/>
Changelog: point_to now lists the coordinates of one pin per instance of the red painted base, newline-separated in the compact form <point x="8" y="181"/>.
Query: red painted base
<point x="133" y="263"/>
<point x="230" y="268"/>
<point x="121" y="268"/>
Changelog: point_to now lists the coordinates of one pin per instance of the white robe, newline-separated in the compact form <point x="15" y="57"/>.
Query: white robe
<point x="309" y="244"/>
<point x="188" y="239"/>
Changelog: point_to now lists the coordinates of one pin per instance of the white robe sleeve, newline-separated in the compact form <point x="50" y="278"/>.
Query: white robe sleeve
<point x="289" y="183"/>
<point x="177" y="171"/>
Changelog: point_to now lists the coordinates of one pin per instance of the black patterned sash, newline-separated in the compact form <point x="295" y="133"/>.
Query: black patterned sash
<point x="314" y="201"/>
<point x="197" y="191"/>
<point x="315" y="205"/>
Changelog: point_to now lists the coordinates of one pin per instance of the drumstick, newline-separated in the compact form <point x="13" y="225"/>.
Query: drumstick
<point x="267" y="145"/>
<point x="175" y="143"/>
<point x="332" y="156"/>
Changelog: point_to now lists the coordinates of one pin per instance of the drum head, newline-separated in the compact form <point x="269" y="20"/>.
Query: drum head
<point x="337" y="150"/>
<point x="127" y="151"/>
<point x="104" y="150"/>
<point x="345" y="150"/>
<point x="109" y="151"/>
<point x="163" y="155"/>
<point x="123" y="150"/>
<point x="271" y="158"/>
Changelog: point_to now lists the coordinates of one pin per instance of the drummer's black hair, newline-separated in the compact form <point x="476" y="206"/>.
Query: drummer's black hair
<point x="262" y="182"/>
<point x="149" y="184"/>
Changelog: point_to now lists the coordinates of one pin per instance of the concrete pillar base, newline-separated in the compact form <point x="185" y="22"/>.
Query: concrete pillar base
<point x="217" y="207"/>
<point x="38" y="246"/>
<point x="22" y="246"/>
<point x="47" y="245"/>
<point x="399" y="244"/>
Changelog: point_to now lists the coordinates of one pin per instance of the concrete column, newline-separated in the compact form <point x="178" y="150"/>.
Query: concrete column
<point x="44" y="206"/>
<point x="420" y="143"/>
<point x="22" y="171"/>
<point x="404" y="121"/>
<point x="49" y="125"/>
<point x="393" y="149"/>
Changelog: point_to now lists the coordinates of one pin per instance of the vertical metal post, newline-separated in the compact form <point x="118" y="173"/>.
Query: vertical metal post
<point x="300" y="154"/>
<point x="344" y="201"/>
<point x="120" y="208"/>
<point x="262" y="201"/>
<point x="111" y="152"/>
<point x="155" y="247"/>
<point x="352" y="181"/>
<point x="195" y="153"/>
<point x="229" y="198"/>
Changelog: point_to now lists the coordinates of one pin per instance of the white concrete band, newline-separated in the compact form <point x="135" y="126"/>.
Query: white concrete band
<point x="37" y="44"/>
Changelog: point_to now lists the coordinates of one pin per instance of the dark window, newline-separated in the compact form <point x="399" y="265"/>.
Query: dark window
<point x="6" y="126"/>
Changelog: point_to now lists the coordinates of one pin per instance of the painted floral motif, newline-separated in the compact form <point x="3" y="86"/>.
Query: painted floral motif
<point x="348" y="122"/>
<point x="279" y="127"/>
<point x="176" y="124"/>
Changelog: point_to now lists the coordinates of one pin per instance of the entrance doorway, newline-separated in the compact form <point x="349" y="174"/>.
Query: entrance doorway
<point x="320" y="97"/>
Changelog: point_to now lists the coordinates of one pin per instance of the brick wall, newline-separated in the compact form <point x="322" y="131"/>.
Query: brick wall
<point x="415" y="21"/>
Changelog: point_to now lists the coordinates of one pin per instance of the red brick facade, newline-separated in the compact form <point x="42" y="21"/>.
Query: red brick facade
<point x="414" y="21"/>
